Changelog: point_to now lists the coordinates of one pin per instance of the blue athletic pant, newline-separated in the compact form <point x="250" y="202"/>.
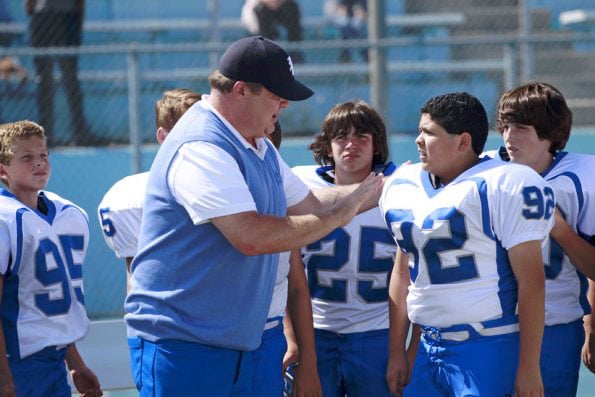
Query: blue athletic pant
<point x="41" y="374"/>
<point x="482" y="366"/>
<point x="268" y="363"/>
<point x="178" y="368"/>
<point x="561" y="358"/>
<point x="352" y="364"/>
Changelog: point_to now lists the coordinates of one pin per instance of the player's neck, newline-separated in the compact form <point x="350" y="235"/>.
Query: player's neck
<point x="543" y="163"/>
<point x="463" y="166"/>
<point x="349" y="178"/>
<point x="29" y="198"/>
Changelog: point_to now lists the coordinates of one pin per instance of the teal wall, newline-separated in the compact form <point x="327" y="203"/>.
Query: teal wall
<point x="84" y="175"/>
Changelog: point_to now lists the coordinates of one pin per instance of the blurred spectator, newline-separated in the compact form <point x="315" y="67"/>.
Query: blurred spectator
<point x="263" y="17"/>
<point x="350" y="16"/>
<point x="9" y="66"/>
<point x="58" y="23"/>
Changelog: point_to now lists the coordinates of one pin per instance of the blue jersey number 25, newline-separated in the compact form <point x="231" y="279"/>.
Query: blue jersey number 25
<point x="367" y="264"/>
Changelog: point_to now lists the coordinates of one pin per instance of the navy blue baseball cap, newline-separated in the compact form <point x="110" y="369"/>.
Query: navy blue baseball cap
<point x="259" y="60"/>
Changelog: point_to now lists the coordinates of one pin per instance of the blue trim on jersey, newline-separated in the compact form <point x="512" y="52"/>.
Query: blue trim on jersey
<point x="324" y="170"/>
<point x="578" y="187"/>
<point x="507" y="293"/>
<point x="328" y="171"/>
<point x="507" y="284"/>
<point x="426" y="182"/>
<point x="10" y="315"/>
<point x="51" y="215"/>
<point x="584" y="285"/>
<point x="403" y="182"/>
<point x="10" y="294"/>
<point x="9" y="309"/>
<point x="557" y="158"/>
<point x="578" y="190"/>
<point x="19" y="253"/>
<point x="482" y="189"/>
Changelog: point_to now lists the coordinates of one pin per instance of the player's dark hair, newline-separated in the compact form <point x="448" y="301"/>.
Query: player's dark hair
<point x="540" y="105"/>
<point x="172" y="105"/>
<point x="339" y="122"/>
<point x="460" y="112"/>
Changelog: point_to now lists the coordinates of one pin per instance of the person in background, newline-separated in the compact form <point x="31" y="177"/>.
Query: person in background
<point x="350" y="16"/>
<point x="264" y="17"/>
<point x="535" y="123"/>
<point x="59" y="23"/>
<point x="121" y="209"/>
<point x="9" y="66"/>
<point x="348" y="269"/>
<point x="469" y="270"/>
<point x="43" y="240"/>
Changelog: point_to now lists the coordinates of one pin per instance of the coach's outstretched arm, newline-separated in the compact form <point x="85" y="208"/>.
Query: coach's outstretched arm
<point x="255" y="234"/>
<point x="329" y="198"/>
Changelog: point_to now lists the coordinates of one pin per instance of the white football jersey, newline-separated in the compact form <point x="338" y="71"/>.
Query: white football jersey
<point x="41" y="259"/>
<point x="348" y="270"/>
<point x="279" y="301"/>
<point x="120" y="214"/>
<point x="572" y="177"/>
<point x="457" y="239"/>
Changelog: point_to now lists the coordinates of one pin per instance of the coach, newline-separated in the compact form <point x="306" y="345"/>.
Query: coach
<point x="220" y="203"/>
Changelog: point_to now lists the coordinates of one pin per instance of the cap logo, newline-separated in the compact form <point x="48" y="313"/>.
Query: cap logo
<point x="290" y="65"/>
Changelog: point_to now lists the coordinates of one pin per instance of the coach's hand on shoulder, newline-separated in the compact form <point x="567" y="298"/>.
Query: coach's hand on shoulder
<point x="364" y="197"/>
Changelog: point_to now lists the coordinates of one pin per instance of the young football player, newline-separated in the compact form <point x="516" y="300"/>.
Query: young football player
<point x="43" y="240"/>
<point x="348" y="270"/>
<point x="469" y="271"/>
<point x="535" y="123"/>
<point x="121" y="209"/>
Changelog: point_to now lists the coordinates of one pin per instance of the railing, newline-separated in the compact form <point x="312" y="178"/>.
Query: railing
<point x="134" y="75"/>
<point x="420" y="20"/>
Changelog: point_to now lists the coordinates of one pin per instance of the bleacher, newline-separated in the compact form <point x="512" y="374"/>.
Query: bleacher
<point x="416" y="71"/>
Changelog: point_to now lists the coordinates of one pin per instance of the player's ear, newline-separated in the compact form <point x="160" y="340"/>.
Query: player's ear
<point x="3" y="174"/>
<point x="239" y="88"/>
<point x="465" y="141"/>
<point x="161" y="134"/>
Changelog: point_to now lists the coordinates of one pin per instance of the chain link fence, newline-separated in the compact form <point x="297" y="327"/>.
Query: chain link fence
<point x="99" y="90"/>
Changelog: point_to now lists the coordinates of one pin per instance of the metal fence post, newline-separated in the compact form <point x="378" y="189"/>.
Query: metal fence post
<point x="526" y="47"/>
<point x="134" y="108"/>
<point x="509" y="65"/>
<point x="377" y="57"/>
<point x="213" y="9"/>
